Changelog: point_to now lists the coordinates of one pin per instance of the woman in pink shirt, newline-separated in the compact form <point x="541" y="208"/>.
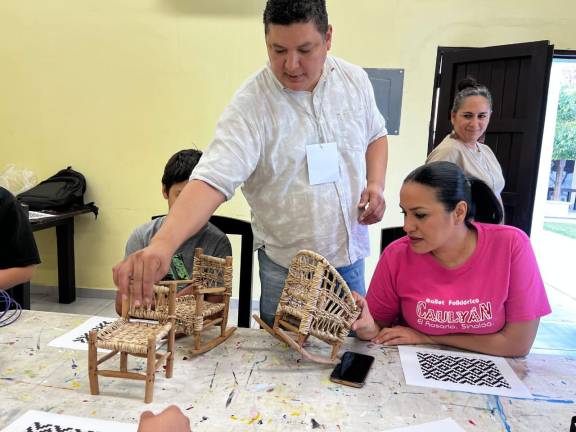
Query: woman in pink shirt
<point x="454" y="280"/>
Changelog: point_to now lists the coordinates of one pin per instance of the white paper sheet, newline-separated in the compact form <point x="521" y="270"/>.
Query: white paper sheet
<point x="446" y="425"/>
<point x="77" y="338"/>
<point x="322" y="162"/>
<point x="34" y="421"/>
<point x="458" y="371"/>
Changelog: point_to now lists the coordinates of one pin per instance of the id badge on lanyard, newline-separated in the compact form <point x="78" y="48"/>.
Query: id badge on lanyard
<point x="323" y="163"/>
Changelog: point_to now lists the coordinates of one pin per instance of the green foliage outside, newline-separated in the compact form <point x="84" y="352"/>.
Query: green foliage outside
<point x="565" y="135"/>
<point x="567" y="230"/>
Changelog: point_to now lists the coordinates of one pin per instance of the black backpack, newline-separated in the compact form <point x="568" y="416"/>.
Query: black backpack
<point x="64" y="191"/>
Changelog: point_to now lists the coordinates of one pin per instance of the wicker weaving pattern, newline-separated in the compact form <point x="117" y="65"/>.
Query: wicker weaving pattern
<point x="157" y="311"/>
<point x="187" y="320"/>
<point x="316" y="294"/>
<point x="130" y="336"/>
<point x="194" y="314"/>
<point x="212" y="272"/>
<point x="315" y="301"/>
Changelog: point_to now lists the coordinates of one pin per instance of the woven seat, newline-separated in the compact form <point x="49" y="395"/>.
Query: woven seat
<point x="315" y="301"/>
<point x="137" y="338"/>
<point x="194" y="314"/>
<point x="123" y="335"/>
<point x="186" y="317"/>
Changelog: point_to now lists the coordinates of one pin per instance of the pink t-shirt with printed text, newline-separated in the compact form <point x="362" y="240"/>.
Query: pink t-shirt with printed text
<point x="499" y="283"/>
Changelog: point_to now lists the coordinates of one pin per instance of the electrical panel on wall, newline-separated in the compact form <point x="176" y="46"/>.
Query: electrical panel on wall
<point x="388" y="85"/>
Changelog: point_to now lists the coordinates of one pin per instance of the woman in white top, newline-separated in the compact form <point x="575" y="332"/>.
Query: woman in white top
<point x="470" y="116"/>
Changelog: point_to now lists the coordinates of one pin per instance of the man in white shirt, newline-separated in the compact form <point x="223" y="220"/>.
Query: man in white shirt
<point x="307" y="143"/>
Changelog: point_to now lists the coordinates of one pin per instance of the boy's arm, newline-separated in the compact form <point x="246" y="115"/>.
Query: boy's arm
<point x="15" y="275"/>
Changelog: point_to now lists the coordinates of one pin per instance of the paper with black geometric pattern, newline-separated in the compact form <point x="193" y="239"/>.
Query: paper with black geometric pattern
<point x="77" y="338"/>
<point x="40" y="421"/>
<point x="460" y="371"/>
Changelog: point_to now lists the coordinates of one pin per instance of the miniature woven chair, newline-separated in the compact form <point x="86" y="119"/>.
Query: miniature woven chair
<point x="194" y="314"/>
<point x="137" y="338"/>
<point x="315" y="301"/>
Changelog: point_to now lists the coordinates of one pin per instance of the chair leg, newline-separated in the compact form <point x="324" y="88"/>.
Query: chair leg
<point x="93" y="363"/>
<point x="282" y="335"/>
<point x="335" y="350"/>
<point x="197" y="340"/>
<point x="301" y="339"/>
<point x="124" y="362"/>
<point x="224" y="323"/>
<point x="265" y="326"/>
<point x="150" y="370"/>
<point x="170" y="349"/>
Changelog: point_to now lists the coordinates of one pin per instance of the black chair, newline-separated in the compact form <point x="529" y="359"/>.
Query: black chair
<point x="244" y="229"/>
<point x="388" y="235"/>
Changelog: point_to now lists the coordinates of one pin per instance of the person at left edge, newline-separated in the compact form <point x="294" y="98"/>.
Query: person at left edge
<point x="18" y="251"/>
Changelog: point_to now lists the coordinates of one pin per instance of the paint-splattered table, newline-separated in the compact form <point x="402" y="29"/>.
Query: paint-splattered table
<point x="254" y="382"/>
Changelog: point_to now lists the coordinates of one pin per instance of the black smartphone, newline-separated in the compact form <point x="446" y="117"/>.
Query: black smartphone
<point x="352" y="369"/>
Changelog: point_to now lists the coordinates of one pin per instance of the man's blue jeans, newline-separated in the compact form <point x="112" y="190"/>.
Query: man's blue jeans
<point x="272" y="277"/>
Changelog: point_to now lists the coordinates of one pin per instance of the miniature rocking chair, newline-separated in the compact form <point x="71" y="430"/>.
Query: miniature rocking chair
<point x="137" y="338"/>
<point x="315" y="301"/>
<point x="194" y="314"/>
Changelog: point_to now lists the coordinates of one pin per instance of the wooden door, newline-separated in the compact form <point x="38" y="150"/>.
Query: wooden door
<point x="517" y="76"/>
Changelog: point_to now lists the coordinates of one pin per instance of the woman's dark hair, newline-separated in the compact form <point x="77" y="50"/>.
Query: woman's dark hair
<point x="470" y="87"/>
<point x="286" y="12"/>
<point x="179" y="167"/>
<point x="452" y="186"/>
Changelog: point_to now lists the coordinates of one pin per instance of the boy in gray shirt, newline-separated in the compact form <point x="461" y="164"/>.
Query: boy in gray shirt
<point x="214" y="242"/>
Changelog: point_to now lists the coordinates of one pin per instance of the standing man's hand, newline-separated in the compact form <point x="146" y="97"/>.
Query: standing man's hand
<point x="138" y="272"/>
<point x="372" y="204"/>
<point x="169" y="420"/>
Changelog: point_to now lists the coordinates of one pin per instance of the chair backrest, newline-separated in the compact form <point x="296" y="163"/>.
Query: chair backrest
<point x="212" y="272"/>
<point x="388" y="235"/>
<point x="317" y="295"/>
<point x="162" y="308"/>
<point x="242" y="228"/>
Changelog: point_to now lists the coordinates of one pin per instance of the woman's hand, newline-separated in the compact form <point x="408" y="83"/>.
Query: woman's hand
<point x="365" y="326"/>
<point x="400" y="335"/>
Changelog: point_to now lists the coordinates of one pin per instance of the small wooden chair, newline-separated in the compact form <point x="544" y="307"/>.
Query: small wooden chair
<point x="194" y="314"/>
<point x="315" y="301"/>
<point x="137" y="338"/>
